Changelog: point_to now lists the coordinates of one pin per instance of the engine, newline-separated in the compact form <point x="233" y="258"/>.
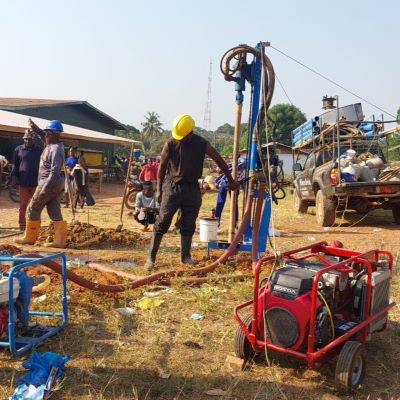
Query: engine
<point x="284" y="303"/>
<point x="22" y="289"/>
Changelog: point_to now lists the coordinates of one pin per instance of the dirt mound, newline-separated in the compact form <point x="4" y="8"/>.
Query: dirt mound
<point x="10" y="248"/>
<point x="82" y="236"/>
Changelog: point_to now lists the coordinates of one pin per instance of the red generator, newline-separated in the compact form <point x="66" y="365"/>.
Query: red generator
<point x="320" y="304"/>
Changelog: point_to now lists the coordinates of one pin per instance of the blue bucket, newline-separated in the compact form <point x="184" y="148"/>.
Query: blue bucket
<point x="136" y="153"/>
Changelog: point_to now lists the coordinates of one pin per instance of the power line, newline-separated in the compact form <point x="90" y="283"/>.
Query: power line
<point x="333" y="82"/>
<point x="281" y="85"/>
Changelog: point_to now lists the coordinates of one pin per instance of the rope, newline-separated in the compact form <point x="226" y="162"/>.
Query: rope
<point x="333" y="82"/>
<point x="266" y="328"/>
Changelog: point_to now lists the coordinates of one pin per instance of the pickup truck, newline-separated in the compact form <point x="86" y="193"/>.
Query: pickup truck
<point x="317" y="183"/>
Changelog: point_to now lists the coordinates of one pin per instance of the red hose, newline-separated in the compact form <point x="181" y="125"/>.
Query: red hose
<point x="162" y="275"/>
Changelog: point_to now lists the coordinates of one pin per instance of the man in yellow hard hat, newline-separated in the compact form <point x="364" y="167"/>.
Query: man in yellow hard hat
<point x="180" y="168"/>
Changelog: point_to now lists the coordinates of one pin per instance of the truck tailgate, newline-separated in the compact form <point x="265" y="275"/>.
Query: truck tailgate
<point x="365" y="188"/>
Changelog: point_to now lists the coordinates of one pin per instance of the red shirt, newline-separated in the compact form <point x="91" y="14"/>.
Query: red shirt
<point x="148" y="173"/>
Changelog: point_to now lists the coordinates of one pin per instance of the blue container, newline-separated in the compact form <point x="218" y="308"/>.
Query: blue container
<point x="367" y="128"/>
<point x="347" y="177"/>
<point x="136" y="153"/>
<point x="302" y="133"/>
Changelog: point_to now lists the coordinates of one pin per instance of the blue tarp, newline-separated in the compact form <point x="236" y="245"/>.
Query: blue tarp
<point x="40" y="366"/>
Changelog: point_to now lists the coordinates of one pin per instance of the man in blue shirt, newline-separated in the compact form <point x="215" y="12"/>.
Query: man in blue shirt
<point x="223" y="187"/>
<point x="26" y="160"/>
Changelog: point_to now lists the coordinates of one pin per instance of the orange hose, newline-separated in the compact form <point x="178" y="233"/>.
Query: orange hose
<point x="162" y="275"/>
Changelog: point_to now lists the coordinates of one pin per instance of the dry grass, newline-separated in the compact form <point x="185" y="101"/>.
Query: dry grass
<point x="115" y="357"/>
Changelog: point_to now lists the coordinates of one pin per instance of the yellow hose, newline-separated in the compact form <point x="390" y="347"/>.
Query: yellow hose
<point x="42" y="285"/>
<point x="321" y="296"/>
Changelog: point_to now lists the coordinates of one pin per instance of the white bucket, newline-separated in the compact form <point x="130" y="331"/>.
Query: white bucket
<point x="208" y="229"/>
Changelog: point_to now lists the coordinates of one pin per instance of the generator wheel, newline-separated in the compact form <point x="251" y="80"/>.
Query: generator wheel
<point x="350" y="367"/>
<point x="300" y="205"/>
<point x="325" y="210"/>
<point x="243" y="347"/>
<point x="396" y="213"/>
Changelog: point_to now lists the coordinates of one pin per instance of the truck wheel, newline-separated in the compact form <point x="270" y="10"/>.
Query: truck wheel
<point x="350" y="367"/>
<point x="325" y="210"/>
<point x="300" y="205"/>
<point x="396" y="214"/>
<point x="243" y="347"/>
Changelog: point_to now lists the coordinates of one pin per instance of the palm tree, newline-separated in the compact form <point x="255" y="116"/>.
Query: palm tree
<point x="152" y="126"/>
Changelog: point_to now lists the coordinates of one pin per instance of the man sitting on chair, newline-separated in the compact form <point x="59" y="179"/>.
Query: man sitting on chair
<point x="146" y="206"/>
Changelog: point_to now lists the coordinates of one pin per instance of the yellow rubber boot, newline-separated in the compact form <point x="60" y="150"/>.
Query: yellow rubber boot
<point x="31" y="232"/>
<point x="60" y="235"/>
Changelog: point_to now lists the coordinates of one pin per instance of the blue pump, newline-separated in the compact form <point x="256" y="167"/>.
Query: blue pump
<point x="19" y="312"/>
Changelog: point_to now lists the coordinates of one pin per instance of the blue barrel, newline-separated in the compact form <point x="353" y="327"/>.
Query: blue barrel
<point x="136" y="153"/>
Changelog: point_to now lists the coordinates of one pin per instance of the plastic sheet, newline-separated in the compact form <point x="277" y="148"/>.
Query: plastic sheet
<point x="40" y="366"/>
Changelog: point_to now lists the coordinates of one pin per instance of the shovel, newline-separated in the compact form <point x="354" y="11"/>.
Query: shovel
<point x="128" y="173"/>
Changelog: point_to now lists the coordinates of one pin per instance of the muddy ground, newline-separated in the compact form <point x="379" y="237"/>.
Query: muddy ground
<point x="116" y="357"/>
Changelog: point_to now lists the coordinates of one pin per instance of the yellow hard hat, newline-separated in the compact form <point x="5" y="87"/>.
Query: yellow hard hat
<point x="182" y="126"/>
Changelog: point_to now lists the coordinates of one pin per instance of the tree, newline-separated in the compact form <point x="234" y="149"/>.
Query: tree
<point x="226" y="128"/>
<point x="131" y="133"/>
<point x="286" y="118"/>
<point x="152" y="127"/>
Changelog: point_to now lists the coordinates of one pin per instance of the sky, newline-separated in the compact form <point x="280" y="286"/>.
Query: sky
<point x="129" y="57"/>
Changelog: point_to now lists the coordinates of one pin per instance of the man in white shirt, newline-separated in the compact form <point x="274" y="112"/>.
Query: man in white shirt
<point x="146" y="206"/>
<point x="3" y="161"/>
<point x="3" y="164"/>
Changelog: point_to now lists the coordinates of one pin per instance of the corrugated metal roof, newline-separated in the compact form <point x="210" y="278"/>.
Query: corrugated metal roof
<point x="72" y="112"/>
<point x="16" y="124"/>
<point x="21" y="102"/>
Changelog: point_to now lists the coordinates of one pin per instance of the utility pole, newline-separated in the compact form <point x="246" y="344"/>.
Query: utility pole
<point x="207" y="110"/>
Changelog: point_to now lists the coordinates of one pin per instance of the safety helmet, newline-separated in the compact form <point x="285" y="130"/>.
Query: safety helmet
<point x="54" y="125"/>
<point x="182" y="126"/>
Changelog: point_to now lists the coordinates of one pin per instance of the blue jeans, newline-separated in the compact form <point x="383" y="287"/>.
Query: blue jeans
<point x="221" y="199"/>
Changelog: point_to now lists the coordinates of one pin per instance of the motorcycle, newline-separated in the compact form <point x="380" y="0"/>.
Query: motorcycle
<point x="134" y="187"/>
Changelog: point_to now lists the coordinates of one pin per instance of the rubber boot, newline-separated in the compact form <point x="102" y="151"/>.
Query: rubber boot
<point x="60" y="235"/>
<point x="31" y="232"/>
<point x="154" y="246"/>
<point x="186" y="244"/>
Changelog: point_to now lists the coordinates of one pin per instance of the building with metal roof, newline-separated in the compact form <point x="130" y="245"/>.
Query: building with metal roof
<point x="71" y="112"/>
<point x="85" y="126"/>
